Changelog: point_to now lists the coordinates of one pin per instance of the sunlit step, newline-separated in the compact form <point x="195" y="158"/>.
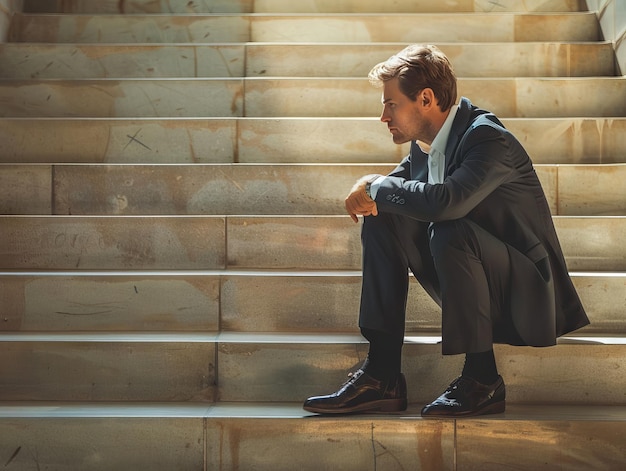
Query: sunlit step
<point x="260" y="367"/>
<point x="296" y="97"/>
<point x="340" y="27"/>
<point x="278" y="140"/>
<point x="261" y="189"/>
<point x="202" y="301"/>
<point x="188" y="436"/>
<point x="71" y="61"/>
<point x="253" y="242"/>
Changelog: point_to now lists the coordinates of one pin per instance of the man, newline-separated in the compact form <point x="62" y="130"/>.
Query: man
<point x="465" y="212"/>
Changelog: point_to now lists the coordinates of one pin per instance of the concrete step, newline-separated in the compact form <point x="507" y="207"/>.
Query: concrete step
<point x="255" y="189"/>
<point x="197" y="436"/>
<point x="289" y="6"/>
<point x="237" y="301"/>
<point x="71" y="61"/>
<point x="296" y="97"/>
<point x="199" y="242"/>
<point x="341" y="27"/>
<point x="280" y="140"/>
<point x="279" y="367"/>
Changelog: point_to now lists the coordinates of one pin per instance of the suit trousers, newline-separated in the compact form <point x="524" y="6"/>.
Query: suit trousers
<point x="463" y="267"/>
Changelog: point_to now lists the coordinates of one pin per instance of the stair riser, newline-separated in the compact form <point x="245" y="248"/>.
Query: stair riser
<point x="318" y="444"/>
<point x="345" y="140"/>
<point x="478" y="27"/>
<point x="334" y="243"/>
<point x="113" y="243"/>
<point x="269" y="372"/>
<point x="285" y="6"/>
<point x="111" y="303"/>
<point x="532" y="375"/>
<point x="26" y="61"/>
<point x="523" y="97"/>
<point x="103" y="444"/>
<point x="230" y="303"/>
<point x="311" y="243"/>
<point x="105" y="371"/>
<point x="237" y="190"/>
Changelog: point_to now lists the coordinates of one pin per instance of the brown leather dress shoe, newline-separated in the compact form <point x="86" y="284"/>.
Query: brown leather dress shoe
<point x="361" y="393"/>
<point x="466" y="397"/>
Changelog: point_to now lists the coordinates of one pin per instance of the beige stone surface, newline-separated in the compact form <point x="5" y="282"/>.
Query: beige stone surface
<point x="514" y="97"/>
<point x="452" y="27"/>
<point x="74" y="61"/>
<point x="79" y="443"/>
<point x="66" y="243"/>
<point x="325" y="302"/>
<point x="387" y="27"/>
<point x="593" y="243"/>
<point x="297" y="97"/>
<point x="280" y="140"/>
<point x="330" y="444"/>
<point x="541" y="445"/>
<point x="293" y="243"/>
<point x="25" y="189"/>
<point x="309" y="303"/>
<point x="600" y="190"/>
<point x="107" y="371"/>
<point x="108" y="303"/>
<point x="532" y="375"/>
<point x="75" y="140"/>
<point x="314" y="189"/>
<point x="205" y="189"/>
<point x="468" y="59"/>
<point x="130" y="28"/>
<point x="134" y="98"/>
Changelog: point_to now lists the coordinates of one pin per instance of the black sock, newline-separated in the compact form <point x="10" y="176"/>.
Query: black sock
<point x="385" y="355"/>
<point x="481" y="367"/>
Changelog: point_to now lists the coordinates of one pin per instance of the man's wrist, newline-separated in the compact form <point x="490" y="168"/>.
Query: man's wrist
<point x="372" y="184"/>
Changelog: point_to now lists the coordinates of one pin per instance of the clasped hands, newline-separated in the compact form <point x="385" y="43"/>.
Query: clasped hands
<point x="358" y="203"/>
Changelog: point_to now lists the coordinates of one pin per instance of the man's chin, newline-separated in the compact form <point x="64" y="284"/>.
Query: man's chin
<point x="399" y="139"/>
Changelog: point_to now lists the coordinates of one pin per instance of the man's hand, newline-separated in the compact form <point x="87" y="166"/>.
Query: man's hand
<point x="357" y="201"/>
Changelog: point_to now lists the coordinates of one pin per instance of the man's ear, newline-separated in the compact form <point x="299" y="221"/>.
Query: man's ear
<point x="427" y="98"/>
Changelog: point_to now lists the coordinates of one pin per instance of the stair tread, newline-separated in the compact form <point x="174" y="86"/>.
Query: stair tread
<point x="256" y="59"/>
<point x="376" y="27"/>
<point x="278" y="338"/>
<point x="283" y="410"/>
<point x="296" y="97"/>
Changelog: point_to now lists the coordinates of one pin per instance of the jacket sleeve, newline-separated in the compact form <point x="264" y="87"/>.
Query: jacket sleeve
<point x="483" y="161"/>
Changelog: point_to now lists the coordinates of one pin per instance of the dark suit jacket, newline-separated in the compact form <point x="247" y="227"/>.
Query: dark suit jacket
<point x="490" y="180"/>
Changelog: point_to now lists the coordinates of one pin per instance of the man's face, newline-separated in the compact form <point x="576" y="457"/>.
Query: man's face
<point x="404" y="117"/>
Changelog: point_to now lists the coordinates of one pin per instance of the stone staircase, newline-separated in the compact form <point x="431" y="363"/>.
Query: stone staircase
<point x="176" y="269"/>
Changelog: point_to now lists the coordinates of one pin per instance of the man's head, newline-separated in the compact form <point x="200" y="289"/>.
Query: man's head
<point x="419" y="88"/>
<point x="418" y="67"/>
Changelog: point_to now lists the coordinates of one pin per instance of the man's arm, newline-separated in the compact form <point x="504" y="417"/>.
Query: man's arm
<point x="360" y="202"/>
<point x="486" y="163"/>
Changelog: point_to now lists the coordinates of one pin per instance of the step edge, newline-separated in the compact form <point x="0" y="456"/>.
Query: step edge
<point x="284" y="411"/>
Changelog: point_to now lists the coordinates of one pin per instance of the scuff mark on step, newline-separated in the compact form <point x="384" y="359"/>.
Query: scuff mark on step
<point x="13" y="456"/>
<point x="133" y="138"/>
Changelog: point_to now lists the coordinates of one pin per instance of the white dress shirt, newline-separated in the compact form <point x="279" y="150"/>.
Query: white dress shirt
<point x="436" y="154"/>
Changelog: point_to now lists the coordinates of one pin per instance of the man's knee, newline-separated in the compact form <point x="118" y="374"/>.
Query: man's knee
<point x="445" y="235"/>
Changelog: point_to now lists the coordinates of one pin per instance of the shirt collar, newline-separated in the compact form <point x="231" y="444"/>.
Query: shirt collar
<point x="441" y="139"/>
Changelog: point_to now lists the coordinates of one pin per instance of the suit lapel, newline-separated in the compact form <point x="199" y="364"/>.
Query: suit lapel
<point x="459" y="126"/>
